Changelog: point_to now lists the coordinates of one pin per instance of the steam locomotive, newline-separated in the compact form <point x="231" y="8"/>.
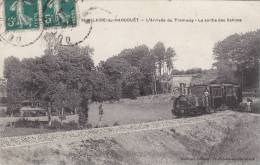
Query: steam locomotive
<point x="200" y="99"/>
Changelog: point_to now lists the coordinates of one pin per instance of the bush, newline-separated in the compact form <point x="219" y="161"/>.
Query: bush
<point x="116" y="124"/>
<point x="255" y="107"/>
<point x="55" y="124"/>
<point x="21" y="123"/>
<point x="89" y="126"/>
<point x="28" y="123"/>
<point x="83" y="117"/>
<point x="101" y="126"/>
<point x="72" y="125"/>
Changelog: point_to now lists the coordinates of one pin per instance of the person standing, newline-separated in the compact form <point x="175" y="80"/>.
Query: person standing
<point x="101" y="113"/>
<point x="206" y="99"/>
<point x="248" y="104"/>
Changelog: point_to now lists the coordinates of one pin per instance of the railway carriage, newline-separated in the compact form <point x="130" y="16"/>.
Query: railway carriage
<point x="206" y="99"/>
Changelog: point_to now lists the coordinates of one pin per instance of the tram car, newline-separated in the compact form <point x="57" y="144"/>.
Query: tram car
<point x="200" y="99"/>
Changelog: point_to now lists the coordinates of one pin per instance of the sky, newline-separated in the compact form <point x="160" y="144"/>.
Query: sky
<point x="193" y="42"/>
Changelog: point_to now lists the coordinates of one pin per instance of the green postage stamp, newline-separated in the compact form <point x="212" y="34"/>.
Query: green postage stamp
<point x="24" y="14"/>
<point x="21" y="14"/>
<point x="59" y="13"/>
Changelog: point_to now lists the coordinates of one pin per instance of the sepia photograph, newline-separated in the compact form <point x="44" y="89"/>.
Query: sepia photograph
<point x="114" y="82"/>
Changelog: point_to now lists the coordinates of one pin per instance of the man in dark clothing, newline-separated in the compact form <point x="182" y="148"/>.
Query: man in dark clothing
<point x="100" y="112"/>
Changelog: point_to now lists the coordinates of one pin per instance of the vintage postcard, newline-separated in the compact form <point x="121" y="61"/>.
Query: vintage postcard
<point x="111" y="82"/>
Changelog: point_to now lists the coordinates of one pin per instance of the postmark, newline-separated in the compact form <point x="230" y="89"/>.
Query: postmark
<point x="65" y="32"/>
<point x="75" y="13"/>
<point x="59" y="13"/>
<point x="22" y="35"/>
<point x="72" y="36"/>
<point x="21" y="14"/>
<point x="85" y="25"/>
<point x="21" y="39"/>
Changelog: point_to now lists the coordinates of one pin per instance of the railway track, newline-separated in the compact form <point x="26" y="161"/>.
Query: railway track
<point x="97" y="133"/>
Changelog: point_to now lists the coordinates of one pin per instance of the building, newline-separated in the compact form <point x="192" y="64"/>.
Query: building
<point x="180" y="84"/>
<point x="28" y="111"/>
<point x="176" y="80"/>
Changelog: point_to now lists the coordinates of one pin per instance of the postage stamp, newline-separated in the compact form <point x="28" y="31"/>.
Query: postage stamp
<point x="71" y="36"/>
<point x="18" y="36"/>
<point x="21" y="14"/>
<point x="59" y="13"/>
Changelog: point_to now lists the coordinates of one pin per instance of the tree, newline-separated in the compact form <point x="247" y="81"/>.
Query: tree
<point x="73" y="67"/>
<point x="147" y="68"/>
<point x="237" y="58"/>
<point x="76" y="66"/>
<point x="102" y="88"/>
<point x="115" y="68"/>
<point x="11" y="65"/>
<point x="170" y="57"/>
<point x="135" y="55"/>
<point x="58" y="81"/>
<point x="159" y="53"/>
<point x="148" y="65"/>
<point x="140" y="58"/>
<point x="12" y="68"/>
<point x="130" y="73"/>
<point x="163" y="61"/>
<point x="130" y="83"/>
<point x="193" y="71"/>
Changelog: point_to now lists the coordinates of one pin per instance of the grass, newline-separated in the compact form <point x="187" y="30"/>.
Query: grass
<point x="123" y="112"/>
<point x="11" y="131"/>
<point x="120" y="113"/>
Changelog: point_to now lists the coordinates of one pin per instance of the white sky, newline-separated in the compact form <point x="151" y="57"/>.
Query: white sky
<point x="193" y="42"/>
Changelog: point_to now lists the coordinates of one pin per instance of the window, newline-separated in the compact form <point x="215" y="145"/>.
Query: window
<point x="229" y="91"/>
<point x="216" y="92"/>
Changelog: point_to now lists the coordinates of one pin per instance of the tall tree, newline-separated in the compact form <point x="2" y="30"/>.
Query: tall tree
<point x="237" y="58"/>
<point x="170" y="57"/>
<point x="12" y="66"/>
<point x="159" y="53"/>
<point x="163" y="59"/>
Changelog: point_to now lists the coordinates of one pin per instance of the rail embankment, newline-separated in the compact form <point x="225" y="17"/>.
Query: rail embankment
<point x="179" y="141"/>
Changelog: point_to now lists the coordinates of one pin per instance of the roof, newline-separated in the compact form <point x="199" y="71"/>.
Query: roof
<point x="186" y="79"/>
<point x="205" y="78"/>
<point x="28" y="108"/>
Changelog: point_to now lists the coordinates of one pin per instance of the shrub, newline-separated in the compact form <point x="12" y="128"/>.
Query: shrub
<point x="21" y="123"/>
<point x="100" y="126"/>
<point x="116" y="124"/>
<point x="83" y="117"/>
<point x="72" y="125"/>
<point x="28" y="123"/>
<point x="89" y="126"/>
<point x="55" y="124"/>
<point x="255" y="107"/>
